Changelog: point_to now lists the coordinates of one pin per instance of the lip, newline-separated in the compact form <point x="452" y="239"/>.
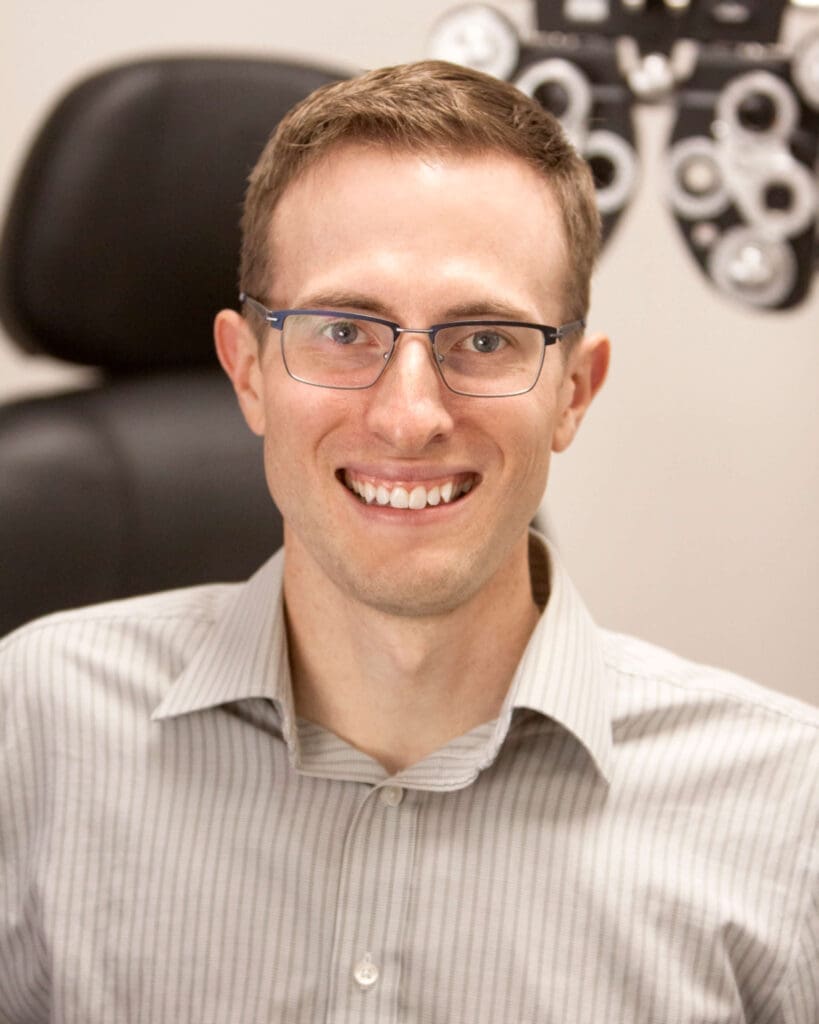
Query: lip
<point x="411" y="474"/>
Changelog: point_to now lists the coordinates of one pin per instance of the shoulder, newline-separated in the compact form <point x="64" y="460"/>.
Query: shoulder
<point x="140" y="640"/>
<point x="196" y="602"/>
<point x="133" y="615"/>
<point x="643" y="670"/>
<point x="722" y="776"/>
<point x="692" y="728"/>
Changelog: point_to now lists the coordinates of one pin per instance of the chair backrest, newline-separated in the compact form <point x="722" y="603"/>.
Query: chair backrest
<point x="120" y="243"/>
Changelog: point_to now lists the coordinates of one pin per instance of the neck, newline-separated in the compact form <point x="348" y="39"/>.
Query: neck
<point x="399" y="687"/>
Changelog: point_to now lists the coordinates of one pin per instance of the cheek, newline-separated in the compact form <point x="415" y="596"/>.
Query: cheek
<point x="525" y="447"/>
<point x="539" y="418"/>
<point x="301" y="425"/>
<point x="538" y="468"/>
<point x="564" y="422"/>
<point x="284" y="438"/>
<point x="275" y="461"/>
<point x="534" y="439"/>
<point x="556" y="390"/>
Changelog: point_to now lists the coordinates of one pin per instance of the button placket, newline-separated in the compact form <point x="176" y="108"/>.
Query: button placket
<point x="374" y="886"/>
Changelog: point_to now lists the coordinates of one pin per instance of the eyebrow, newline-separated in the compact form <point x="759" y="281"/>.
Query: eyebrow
<point x="345" y="300"/>
<point x="491" y="309"/>
<point x="487" y="309"/>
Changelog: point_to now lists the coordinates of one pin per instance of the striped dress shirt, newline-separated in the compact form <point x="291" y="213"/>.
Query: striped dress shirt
<point x="632" y="841"/>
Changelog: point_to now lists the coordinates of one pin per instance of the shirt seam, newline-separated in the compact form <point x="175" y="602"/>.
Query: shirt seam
<point x="784" y="984"/>
<point x="700" y="689"/>
<point x="37" y="627"/>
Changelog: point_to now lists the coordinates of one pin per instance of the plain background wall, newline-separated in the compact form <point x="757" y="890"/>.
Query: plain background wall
<point x="686" y="510"/>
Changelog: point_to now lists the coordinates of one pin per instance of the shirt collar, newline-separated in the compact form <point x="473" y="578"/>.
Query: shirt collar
<point x="561" y="674"/>
<point x="243" y="656"/>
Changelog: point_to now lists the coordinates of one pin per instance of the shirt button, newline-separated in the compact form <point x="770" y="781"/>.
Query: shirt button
<point x="392" y="795"/>
<point x="365" y="972"/>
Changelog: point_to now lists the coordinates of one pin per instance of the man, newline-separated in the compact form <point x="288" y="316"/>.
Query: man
<point x="400" y="775"/>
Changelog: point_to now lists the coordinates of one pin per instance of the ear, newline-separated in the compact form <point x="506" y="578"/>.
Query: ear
<point x="238" y="351"/>
<point x="586" y="368"/>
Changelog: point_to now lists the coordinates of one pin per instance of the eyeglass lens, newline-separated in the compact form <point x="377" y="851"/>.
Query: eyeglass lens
<point x="348" y="352"/>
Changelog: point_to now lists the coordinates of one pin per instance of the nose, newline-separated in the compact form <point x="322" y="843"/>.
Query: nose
<point x="409" y="405"/>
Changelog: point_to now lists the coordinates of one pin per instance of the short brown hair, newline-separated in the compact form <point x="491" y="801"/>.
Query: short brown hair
<point x="426" y="107"/>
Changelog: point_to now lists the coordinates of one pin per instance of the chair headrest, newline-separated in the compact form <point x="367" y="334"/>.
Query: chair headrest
<point x="122" y="233"/>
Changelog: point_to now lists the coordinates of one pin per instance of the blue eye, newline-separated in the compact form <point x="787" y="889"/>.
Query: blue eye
<point x="343" y="332"/>
<point x="486" y="341"/>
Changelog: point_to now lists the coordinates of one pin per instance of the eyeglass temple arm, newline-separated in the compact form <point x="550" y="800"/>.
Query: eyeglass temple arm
<point x="262" y="310"/>
<point x="570" y="328"/>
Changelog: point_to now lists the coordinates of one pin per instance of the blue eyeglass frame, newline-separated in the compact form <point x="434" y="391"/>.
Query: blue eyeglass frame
<point x="276" y="318"/>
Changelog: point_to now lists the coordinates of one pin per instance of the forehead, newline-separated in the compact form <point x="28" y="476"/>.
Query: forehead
<point x="365" y="211"/>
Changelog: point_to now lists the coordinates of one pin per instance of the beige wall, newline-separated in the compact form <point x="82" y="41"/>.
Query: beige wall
<point x="687" y="508"/>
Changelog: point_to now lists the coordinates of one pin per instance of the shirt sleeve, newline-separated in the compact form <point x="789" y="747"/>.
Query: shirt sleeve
<point x="24" y="989"/>
<point x="800" y="999"/>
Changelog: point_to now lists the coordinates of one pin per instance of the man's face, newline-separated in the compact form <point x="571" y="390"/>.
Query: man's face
<point x="418" y="240"/>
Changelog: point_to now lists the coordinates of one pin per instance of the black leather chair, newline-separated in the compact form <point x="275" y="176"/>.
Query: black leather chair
<point x="120" y="244"/>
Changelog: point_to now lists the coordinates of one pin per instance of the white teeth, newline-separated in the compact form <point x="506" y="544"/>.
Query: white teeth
<point x="418" y="498"/>
<point x="400" y="497"/>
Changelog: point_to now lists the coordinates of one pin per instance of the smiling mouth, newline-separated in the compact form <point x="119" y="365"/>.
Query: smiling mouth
<point x="408" y="495"/>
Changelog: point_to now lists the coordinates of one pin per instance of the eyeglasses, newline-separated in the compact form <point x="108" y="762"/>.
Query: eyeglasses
<point x="350" y="351"/>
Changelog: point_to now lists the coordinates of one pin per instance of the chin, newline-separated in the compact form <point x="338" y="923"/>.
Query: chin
<point x="415" y="592"/>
